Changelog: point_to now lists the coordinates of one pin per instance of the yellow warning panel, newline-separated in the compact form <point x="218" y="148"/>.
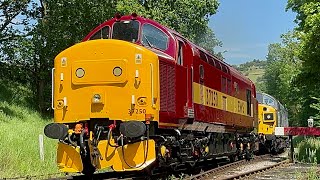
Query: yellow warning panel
<point x="135" y="156"/>
<point x="108" y="155"/>
<point x="68" y="158"/>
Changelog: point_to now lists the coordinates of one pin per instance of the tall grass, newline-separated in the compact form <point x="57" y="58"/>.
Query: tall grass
<point x="298" y="139"/>
<point x="20" y="127"/>
<point x="309" y="150"/>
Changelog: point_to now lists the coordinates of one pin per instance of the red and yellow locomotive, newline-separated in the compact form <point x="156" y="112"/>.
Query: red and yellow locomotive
<point x="136" y="94"/>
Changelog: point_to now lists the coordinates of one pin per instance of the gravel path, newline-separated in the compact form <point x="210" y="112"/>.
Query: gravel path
<point x="245" y="168"/>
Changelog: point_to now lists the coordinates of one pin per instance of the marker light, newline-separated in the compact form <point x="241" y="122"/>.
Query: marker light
<point x="80" y="72"/>
<point x="117" y="71"/>
<point x="117" y="16"/>
<point x="134" y="16"/>
<point x="96" y="98"/>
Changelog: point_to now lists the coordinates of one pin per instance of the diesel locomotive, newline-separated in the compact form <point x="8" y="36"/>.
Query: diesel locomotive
<point x="272" y="114"/>
<point x="135" y="94"/>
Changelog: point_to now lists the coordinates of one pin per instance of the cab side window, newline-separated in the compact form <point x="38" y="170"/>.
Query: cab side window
<point x="101" y="34"/>
<point x="154" y="37"/>
<point x="248" y="93"/>
<point x="180" y="54"/>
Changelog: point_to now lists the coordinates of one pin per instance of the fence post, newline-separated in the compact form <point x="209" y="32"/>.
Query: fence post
<point x="41" y="151"/>
<point x="291" y="149"/>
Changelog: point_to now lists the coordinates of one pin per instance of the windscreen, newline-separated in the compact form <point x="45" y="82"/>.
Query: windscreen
<point x="267" y="100"/>
<point x="154" y="37"/>
<point x="260" y="98"/>
<point x="126" y="30"/>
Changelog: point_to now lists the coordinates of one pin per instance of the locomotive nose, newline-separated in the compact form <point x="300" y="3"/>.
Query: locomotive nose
<point x="111" y="79"/>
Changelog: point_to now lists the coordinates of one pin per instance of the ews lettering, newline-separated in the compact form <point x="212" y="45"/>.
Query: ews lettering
<point x="241" y="107"/>
<point x="211" y="98"/>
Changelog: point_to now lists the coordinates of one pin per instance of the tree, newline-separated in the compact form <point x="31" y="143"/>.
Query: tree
<point x="15" y="39"/>
<point x="208" y="41"/>
<point x="308" y="81"/>
<point x="60" y="24"/>
<point x="282" y="68"/>
<point x="10" y="20"/>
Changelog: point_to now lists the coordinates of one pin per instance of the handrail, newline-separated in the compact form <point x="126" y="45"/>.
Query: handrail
<point x="52" y="88"/>
<point x="192" y="95"/>
<point x="152" y="88"/>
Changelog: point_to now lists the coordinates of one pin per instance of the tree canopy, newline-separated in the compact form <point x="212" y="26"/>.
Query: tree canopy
<point x="308" y="81"/>
<point x="188" y="17"/>
<point x="283" y="66"/>
<point x="292" y="73"/>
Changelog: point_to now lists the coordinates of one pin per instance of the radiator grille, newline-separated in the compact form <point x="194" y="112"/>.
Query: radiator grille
<point x="167" y="87"/>
<point x="171" y="98"/>
<point x="163" y="86"/>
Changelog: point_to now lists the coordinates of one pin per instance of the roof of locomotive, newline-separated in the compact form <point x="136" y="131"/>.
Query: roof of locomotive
<point x="170" y="32"/>
<point x="133" y="16"/>
<point x="277" y="103"/>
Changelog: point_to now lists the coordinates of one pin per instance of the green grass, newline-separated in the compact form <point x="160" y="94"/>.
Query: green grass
<point x="309" y="150"/>
<point x="311" y="174"/>
<point x="19" y="135"/>
<point x="253" y="73"/>
<point x="297" y="140"/>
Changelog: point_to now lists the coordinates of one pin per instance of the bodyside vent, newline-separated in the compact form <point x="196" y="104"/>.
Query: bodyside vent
<point x="167" y="87"/>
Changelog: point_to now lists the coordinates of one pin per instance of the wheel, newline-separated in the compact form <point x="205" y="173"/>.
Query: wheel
<point x="233" y="158"/>
<point x="248" y="155"/>
<point x="88" y="172"/>
<point x="88" y="168"/>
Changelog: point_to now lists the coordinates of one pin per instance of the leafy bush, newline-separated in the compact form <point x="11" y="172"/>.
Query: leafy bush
<point x="15" y="93"/>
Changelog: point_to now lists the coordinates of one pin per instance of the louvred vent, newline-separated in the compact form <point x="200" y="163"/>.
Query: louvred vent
<point x="167" y="87"/>
<point x="163" y="86"/>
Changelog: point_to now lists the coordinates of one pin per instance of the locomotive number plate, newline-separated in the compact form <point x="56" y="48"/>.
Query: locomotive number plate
<point x="137" y="111"/>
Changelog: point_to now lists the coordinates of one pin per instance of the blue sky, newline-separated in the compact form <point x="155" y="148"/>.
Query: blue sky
<point x="247" y="27"/>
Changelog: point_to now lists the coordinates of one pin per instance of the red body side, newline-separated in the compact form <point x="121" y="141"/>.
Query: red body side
<point x="176" y="82"/>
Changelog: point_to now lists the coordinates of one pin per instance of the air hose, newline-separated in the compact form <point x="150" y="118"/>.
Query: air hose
<point x="71" y="142"/>
<point x="109" y="138"/>
<point x="82" y="145"/>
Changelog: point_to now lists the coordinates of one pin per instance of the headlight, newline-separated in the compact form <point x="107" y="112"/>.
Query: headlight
<point x="80" y="72"/>
<point x="268" y="116"/>
<point x="117" y="71"/>
<point x="96" y="98"/>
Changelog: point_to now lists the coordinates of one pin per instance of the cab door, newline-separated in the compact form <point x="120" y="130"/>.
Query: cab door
<point x="181" y="80"/>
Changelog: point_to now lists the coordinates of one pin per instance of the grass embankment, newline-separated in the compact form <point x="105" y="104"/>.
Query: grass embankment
<point x="253" y="73"/>
<point x="19" y="135"/>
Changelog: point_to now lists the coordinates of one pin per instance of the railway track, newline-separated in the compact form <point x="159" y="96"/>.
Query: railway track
<point x="241" y="169"/>
<point x="224" y="170"/>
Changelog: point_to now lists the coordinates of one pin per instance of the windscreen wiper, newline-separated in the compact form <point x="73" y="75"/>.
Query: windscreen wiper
<point x="149" y="44"/>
